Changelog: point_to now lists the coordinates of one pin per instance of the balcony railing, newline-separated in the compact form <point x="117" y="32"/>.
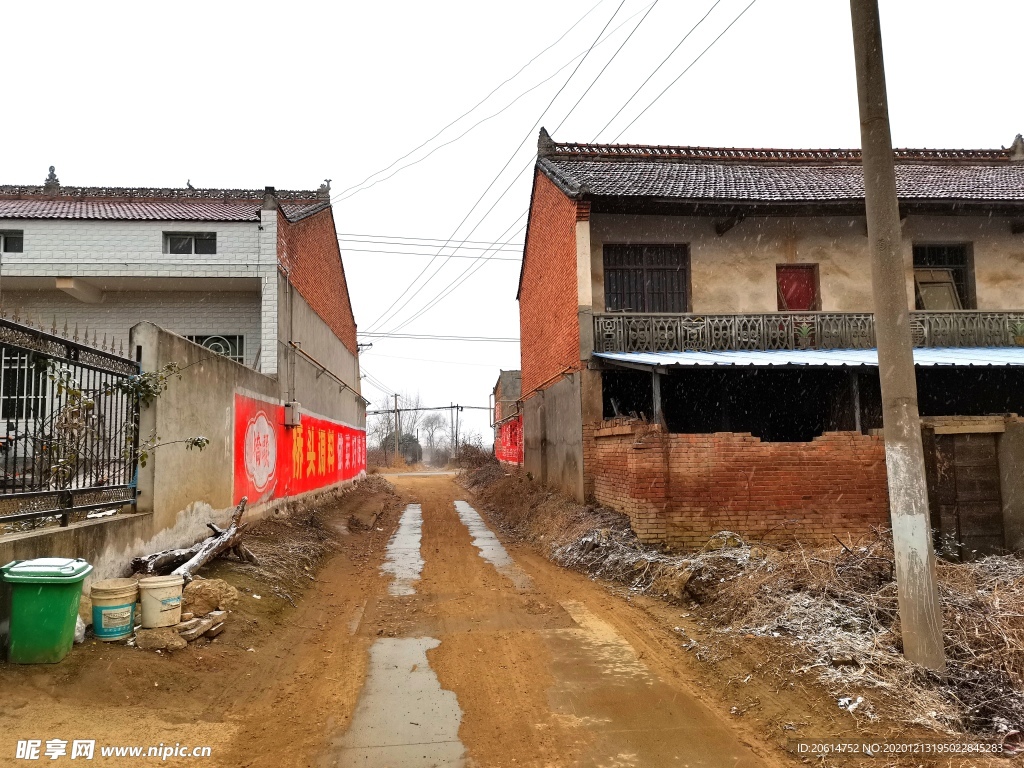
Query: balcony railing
<point x="798" y="330"/>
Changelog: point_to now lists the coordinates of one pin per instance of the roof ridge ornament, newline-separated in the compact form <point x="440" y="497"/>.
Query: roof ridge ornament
<point x="52" y="184"/>
<point x="1017" y="149"/>
<point x="546" y="146"/>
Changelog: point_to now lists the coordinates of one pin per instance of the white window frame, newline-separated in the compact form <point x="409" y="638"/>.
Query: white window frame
<point x="192" y="238"/>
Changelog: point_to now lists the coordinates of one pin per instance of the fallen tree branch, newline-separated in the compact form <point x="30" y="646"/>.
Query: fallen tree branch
<point x="159" y="563"/>
<point x="230" y="539"/>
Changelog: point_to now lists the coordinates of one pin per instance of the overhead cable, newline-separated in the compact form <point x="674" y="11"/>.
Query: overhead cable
<point x="690" y="66"/>
<point x="385" y="317"/>
<point x="657" y="69"/>
<point x="475" y="106"/>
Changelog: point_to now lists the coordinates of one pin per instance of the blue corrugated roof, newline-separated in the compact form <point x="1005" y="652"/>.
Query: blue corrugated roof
<point x="823" y="357"/>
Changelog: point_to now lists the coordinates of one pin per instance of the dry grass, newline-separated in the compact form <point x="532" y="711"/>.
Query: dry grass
<point x="290" y="549"/>
<point x="833" y="610"/>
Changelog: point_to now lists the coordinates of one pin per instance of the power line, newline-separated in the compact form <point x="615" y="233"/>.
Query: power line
<point x="437" y="408"/>
<point x="489" y="117"/>
<point x="657" y="69"/>
<point x="384" y="318"/>
<point x="375" y="382"/>
<point x="432" y="360"/>
<point x="607" y="64"/>
<point x="473" y="268"/>
<point x="359" y="238"/>
<point x="475" y="106"/>
<point x="486" y="247"/>
<point x="435" y="337"/>
<point x="414" y="253"/>
<point x="731" y="23"/>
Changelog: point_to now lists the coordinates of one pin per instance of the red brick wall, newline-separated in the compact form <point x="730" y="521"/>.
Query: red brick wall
<point x="309" y="250"/>
<point x="548" y="324"/>
<point x="680" y="489"/>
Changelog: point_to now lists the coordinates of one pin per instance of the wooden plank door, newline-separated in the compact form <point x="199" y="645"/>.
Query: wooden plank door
<point x="967" y="506"/>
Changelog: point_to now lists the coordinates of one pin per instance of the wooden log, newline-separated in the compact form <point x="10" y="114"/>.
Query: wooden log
<point x="160" y="563"/>
<point x="229" y="539"/>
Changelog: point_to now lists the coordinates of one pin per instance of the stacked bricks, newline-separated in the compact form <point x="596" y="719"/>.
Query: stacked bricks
<point x="308" y="250"/>
<point x="680" y="489"/>
<point x="548" y="324"/>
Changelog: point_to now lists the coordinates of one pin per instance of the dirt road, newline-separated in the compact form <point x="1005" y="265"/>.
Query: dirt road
<point x="422" y="642"/>
<point x="482" y="657"/>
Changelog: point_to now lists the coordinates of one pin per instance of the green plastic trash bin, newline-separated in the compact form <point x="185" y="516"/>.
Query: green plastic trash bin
<point x="43" y="597"/>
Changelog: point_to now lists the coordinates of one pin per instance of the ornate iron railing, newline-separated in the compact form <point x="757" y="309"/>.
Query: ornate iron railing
<point x="68" y="427"/>
<point x="798" y="330"/>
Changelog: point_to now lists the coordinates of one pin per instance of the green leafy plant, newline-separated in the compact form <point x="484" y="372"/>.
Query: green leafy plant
<point x="78" y="439"/>
<point x="804" y="333"/>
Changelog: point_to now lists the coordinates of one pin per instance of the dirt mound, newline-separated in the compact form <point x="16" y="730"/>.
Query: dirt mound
<point x="830" y="611"/>
<point x="201" y="596"/>
<point x="291" y="548"/>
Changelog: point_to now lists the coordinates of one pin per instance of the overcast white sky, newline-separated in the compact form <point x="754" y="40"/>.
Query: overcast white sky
<point x="232" y="94"/>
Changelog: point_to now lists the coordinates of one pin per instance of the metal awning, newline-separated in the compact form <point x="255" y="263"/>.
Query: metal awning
<point x="948" y="356"/>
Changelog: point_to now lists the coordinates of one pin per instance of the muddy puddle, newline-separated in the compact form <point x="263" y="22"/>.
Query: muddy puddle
<point x="491" y="549"/>
<point x="602" y="685"/>
<point x="403" y="560"/>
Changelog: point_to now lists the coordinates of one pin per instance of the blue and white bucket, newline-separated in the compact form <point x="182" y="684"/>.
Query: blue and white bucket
<point x="113" y="608"/>
<point x="161" y="600"/>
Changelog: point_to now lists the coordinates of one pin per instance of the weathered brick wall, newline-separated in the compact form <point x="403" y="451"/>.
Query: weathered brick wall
<point x="309" y="250"/>
<point x="680" y="489"/>
<point x="548" y="324"/>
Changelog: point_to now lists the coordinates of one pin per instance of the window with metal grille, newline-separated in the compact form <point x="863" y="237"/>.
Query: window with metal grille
<point x="12" y="241"/>
<point x="646" y="278"/>
<point x="23" y="387"/>
<point x="934" y="264"/>
<point x="232" y="347"/>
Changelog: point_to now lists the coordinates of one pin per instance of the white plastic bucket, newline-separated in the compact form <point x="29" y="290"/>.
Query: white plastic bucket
<point x="161" y="600"/>
<point x="113" y="608"/>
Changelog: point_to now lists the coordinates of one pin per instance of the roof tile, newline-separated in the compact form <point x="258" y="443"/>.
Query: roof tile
<point x="708" y="174"/>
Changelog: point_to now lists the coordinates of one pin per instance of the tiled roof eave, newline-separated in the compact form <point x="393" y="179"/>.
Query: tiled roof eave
<point x="571" y="187"/>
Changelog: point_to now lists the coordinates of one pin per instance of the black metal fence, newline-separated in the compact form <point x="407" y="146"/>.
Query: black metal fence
<point x="68" y="427"/>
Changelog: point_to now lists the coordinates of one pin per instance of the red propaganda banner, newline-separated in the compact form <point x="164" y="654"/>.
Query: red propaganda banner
<point x="509" y="445"/>
<point x="273" y="461"/>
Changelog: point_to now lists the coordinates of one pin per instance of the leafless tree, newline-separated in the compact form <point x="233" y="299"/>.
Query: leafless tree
<point x="434" y="427"/>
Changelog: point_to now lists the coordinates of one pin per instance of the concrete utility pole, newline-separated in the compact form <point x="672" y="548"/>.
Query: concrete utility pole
<point x="920" y="615"/>
<point x="396" y="430"/>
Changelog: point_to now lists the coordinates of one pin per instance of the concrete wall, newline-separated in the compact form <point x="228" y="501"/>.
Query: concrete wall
<point x="553" y="436"/>
<point x="301" y="378"/>
<point x="187" y="313"/>
<point x="200" y="402"/>
<point x="735" y="273"/>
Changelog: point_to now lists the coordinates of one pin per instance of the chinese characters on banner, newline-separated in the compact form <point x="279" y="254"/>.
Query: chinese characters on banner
<point x="508" y="447"/>
<point x="273" y="461"/>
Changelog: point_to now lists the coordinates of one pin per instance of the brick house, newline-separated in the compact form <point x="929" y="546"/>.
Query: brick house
<point x="255" y="275"/>
<point x="698" y="347"/>
<point x="507" y="418"/>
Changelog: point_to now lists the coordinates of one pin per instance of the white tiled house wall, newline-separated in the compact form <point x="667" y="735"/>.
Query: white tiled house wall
<point x="187" y="313"/>
<point x="77" y="248"/>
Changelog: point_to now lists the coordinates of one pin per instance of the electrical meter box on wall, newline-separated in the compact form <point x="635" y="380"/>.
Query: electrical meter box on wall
<point x="292" y="414"/>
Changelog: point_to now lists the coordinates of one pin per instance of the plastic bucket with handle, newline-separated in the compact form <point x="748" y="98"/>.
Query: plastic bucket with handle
<point x="113" y="608"/>
<point x="161" y="600"/>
